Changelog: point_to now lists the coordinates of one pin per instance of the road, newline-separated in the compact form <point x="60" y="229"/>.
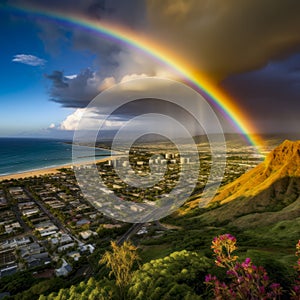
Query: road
<point x="16" y="211"/>
<point x="132" y="230"/>
<point x="54" y="220"/>
<point x="137" y="226"/>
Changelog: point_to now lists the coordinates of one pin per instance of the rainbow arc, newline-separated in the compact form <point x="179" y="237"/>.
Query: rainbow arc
<point x="198" y="80"/>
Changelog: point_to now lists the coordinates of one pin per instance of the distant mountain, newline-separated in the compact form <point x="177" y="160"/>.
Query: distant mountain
<point x="265" y="195"/>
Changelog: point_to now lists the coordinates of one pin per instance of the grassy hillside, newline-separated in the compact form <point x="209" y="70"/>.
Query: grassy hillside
<point x="267" y="194"/>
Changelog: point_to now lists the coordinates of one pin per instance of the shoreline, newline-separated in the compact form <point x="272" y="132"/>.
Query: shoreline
<point x="50" y="170"/>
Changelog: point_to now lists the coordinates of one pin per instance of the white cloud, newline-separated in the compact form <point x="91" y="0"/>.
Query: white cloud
<point x="71" y="76"/>
<point x="132" y="77"/>
<point x="89" y="119"/>
<point x="28" y="59"/>
<point x="51" y="126"/>
<point x="107" y="83"/>
<point x="113" y="124"/>
<point x="70" y="123"/>
<point x="111" y="81"/>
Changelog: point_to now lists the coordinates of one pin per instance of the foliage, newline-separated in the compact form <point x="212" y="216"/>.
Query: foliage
<point x="40" y="288"/>
<point x="295" y="293"/>
<point x="179" y="275"/>
<point x="19" y="281"/>
<point x="91" y="290"/>
<point x="120" y="261"/>
<point x="277" y="264"/>
<point x="174" y="277"/>
<point x="223" y="246"/>
<point x="247" y="281"/>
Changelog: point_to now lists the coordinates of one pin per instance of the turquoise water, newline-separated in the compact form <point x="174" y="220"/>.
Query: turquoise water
<point x="19" y="155"/>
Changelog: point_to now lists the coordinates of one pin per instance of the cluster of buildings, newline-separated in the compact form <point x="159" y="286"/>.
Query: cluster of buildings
<point x="45" y="222"/>
<point x="48" y="221"/>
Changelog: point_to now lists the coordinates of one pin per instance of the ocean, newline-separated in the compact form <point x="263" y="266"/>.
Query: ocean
<point x="19" y="155"/>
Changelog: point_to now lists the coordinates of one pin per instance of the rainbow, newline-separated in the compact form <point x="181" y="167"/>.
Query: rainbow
<point x="125" y="35"/>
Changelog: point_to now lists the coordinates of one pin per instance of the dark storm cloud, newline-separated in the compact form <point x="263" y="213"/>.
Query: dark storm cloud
<point x="73" y="92"/>
<point x="111" y="59"/>
<point x="57" y="79"/>
<point x="271" y="95"/>
<point x="54" y="33"/>
<point x="129" y="13"/>
<point x="95" y="8"/>
<point x="78" y="90"/>
<point x="226" y="37"/>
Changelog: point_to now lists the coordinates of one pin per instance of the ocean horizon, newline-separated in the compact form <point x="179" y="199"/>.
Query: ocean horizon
<point x="18" y="155"/>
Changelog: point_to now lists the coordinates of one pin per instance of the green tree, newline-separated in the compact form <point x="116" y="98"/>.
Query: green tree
<point x="177" y="276"/>
<point x="90" y="290"/>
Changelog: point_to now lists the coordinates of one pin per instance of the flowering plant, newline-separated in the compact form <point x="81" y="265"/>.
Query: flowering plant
<point x="223" y="246"/>
<point x="295" y="293"/>
<point x="247" y="281"/>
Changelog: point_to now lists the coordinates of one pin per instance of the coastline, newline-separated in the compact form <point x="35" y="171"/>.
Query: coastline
<point x="48" y="171"/>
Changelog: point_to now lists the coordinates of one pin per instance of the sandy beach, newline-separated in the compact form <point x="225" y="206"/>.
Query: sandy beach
<point x="47" y="171"/>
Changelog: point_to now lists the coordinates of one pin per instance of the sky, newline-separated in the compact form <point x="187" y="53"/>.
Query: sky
<point x="50" y="71"/>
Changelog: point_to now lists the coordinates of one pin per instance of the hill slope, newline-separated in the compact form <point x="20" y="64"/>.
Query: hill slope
<point x="265" y="195"/>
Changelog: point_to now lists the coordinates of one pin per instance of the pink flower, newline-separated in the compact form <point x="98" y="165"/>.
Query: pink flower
<point x="245" y="281"/>
<point x="296" y="288"/>
<point x="209" y="278"/>
<point x="223" y="245"/>
<point x="246" y="263"/>
<point x="275" y="286"/>
<point x="262" y="290"/>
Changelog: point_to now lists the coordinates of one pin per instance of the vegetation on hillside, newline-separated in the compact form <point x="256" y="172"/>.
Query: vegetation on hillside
<point x="183" y="275"/>
<point x="120" y="261"/>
